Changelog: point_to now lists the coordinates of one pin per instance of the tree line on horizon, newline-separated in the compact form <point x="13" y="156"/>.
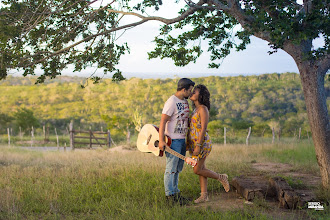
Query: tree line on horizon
<point x="262" y="102"/>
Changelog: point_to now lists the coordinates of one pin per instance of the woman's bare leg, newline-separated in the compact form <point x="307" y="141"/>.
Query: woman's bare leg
<point x="203" y="185"/>
<point x="201" y="170"/>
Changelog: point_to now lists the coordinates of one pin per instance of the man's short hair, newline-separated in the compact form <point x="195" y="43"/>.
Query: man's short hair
<point x="185" y="83"/>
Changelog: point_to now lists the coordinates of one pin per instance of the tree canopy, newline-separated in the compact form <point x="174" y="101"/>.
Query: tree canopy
<point x="54" y="35"/>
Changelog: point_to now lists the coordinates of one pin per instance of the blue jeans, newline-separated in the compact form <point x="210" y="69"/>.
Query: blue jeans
<point x="174" y="166"/>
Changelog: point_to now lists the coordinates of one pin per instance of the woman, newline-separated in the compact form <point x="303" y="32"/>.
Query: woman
<point x="199" y="143"/>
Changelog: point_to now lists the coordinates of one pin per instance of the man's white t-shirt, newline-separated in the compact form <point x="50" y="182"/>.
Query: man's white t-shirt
<point x="178" y="110"/>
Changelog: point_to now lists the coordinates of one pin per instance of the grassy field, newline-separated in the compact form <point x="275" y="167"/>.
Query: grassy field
<point x="100" y="184"/>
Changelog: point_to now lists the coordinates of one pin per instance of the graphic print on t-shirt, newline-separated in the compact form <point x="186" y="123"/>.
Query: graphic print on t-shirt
<point x="181" y="126"/>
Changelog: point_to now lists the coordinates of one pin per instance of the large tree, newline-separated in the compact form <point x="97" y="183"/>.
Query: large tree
<point x="57" y="34"/>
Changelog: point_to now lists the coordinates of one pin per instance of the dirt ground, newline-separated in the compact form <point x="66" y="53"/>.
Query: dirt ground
<point x="233" y="201"/>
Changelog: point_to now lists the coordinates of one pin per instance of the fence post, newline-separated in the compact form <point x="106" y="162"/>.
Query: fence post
<point x="224" y="136"/>
<point x="109" y="139"/>
<point x="90" y="139"/>
<point x="57" y="142"/>
<point x="71" y="135"/>
<point x="32" y="136"/>
<point x="263" y="132"/>
<point x="128" y="136"/>
<point x="20" y="133"/>
<point x="307" y="134"/>
<point x="248" y="136"/>
<point x="46" y="133"/>
<point x="299" y="133"/>
<point x="44" y="130"/>
<point x="273" y="132"/>
<point x="8" y="136"/>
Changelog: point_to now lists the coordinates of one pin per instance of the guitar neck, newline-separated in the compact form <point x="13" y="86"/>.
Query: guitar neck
<point x="173" y="152"/>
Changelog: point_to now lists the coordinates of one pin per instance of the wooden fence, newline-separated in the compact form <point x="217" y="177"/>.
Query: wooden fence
<point x="89" y="138"/>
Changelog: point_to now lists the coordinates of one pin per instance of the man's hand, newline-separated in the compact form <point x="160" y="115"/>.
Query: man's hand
<point x="161" y="145"/>
<point x="163" y="121"/>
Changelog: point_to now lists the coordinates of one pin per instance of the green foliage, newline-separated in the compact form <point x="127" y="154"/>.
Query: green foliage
<point x="120" y="124"/>
<point x="214" y="127"/>
<point x="4" y="121"/>
<point x="212" y="26"/>
<point x="53" y="35"/>
<point x="25" y="119"/>
<point x="241" y="124"/>
<point x="278" y="22"/>
<point x="259" y="129"/>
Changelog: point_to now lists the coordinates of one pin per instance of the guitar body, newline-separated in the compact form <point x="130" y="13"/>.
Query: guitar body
<point x="148" y="140"/>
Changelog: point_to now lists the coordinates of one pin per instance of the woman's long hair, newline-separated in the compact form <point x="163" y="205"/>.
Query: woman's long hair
<point x="204" y="95"/>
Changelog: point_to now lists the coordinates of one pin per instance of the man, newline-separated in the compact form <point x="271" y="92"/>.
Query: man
<point x="174" y="123"/>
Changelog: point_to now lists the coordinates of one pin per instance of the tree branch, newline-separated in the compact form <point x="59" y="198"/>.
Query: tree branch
<point x="188" y="12"/>
<point x="63" y="50"/>
<point x="324" y="64"/>
<point x="45" y="15"/>
<point x="233" y="8"/>
<point x="308" y="6"/>
<point x="219" y="5"/>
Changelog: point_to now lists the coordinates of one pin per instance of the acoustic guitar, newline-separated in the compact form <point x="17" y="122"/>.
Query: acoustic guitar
<point x="148" y="140"/>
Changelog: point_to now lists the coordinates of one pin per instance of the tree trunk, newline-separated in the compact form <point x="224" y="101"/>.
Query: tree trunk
<point x="224" y="136"/>
<point x="128" y="136"/>
<point x="313" y="86"/>
<point x="263" y="132"/>
<point x="248" y="136"/>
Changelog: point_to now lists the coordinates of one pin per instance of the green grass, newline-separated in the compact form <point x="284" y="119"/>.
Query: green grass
<point x="99" y="184"/>
<point x="301" y="155"/>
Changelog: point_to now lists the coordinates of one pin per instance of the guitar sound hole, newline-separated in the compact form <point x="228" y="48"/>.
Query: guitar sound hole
<point x="156" y="143"/>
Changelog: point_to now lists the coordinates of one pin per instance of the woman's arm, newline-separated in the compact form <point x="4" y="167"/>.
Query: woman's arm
<point x="204" y="116"/>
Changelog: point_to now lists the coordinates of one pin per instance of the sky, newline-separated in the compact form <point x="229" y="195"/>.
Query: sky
<point x="253" y="60"/>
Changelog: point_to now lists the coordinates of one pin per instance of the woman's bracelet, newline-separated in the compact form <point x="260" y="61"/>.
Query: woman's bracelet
<point x="195" y="157"/>
<point x="198" y="145"/>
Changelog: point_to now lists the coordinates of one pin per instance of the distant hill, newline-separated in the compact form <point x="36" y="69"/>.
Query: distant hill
<point x="236" y="102"/>
<point x="30" y="80"/>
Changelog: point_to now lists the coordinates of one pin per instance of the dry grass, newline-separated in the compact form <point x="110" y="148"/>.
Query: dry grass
<point x="97" y="184"/>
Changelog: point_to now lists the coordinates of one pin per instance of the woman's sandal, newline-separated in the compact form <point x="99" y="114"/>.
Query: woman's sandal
<point x="223" y="179"/>
<point x="203" y="198"/>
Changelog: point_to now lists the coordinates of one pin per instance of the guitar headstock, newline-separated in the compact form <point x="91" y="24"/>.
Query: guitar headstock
<point x="190" y="161"/>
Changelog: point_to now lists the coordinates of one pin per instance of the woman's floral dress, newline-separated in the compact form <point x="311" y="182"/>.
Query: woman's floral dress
<point x="195" y="128"/>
